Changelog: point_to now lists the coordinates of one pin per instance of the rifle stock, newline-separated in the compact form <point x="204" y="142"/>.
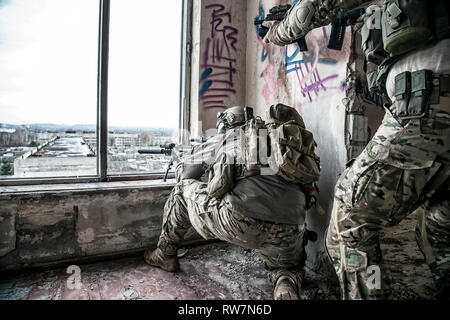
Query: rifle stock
<point x="339" y="26"/>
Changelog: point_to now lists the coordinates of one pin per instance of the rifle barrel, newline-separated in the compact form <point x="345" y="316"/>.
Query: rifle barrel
<point x="155" y="151"/>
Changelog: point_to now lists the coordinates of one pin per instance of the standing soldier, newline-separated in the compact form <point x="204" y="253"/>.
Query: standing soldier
<point x="406" y="165"/>
<point x="241" y="204"/>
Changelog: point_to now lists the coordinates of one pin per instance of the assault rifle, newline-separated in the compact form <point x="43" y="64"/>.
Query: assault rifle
<point x="173" y="150"/>
<point x="339" y="26"/>
<point x="277" y="14"/>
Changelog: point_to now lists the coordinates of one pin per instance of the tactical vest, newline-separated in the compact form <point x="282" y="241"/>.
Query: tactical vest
<point x="393" y="28"/>
<point x="281" y="145"/>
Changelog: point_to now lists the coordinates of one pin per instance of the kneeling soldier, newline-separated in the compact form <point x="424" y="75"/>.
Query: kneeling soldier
<point x="241" y="203"/>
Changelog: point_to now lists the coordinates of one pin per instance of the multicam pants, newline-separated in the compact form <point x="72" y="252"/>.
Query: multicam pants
<point x="281" y="245"/>
<point x="403" y="169"/>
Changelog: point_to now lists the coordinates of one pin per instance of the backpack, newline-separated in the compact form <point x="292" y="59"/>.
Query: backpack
<point x="288" y="145"/>
<point x="292" y="147"/>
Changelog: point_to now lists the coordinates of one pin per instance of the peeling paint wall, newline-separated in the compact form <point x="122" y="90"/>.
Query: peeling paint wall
<point x="42" y="228"/>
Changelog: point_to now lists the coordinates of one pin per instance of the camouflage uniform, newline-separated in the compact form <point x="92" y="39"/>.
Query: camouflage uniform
<point x="404" y="168"/>
<point x="281" y="245"/>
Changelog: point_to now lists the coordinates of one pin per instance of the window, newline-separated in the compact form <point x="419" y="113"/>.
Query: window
<point x="144" y="80"/>
<point x="78" y="101"/>
<point x="48" y="88"/>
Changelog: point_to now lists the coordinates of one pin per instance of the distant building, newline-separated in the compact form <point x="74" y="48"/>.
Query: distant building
<point x="66" y="156"/>
<point x="73" y="154"/>
<point x="16" y="137"/>
<point x="125" y="140"/>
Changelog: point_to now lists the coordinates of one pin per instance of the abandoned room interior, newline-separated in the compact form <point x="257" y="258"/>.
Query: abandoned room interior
<point x="96" y="97"/>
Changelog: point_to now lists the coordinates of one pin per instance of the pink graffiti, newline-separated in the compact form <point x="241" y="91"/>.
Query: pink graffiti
<point x="219" y="59"/>
<point x="270" y="88"/>
<point x="309" y="78"/>
<point x="272" y="83"/>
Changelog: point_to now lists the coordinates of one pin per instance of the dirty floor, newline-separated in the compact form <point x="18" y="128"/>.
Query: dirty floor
<point x="217" y="271"/>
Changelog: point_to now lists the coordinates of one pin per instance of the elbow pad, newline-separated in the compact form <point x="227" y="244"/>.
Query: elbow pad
<point x="309" y="14"/>
<point x="298" y="22"/>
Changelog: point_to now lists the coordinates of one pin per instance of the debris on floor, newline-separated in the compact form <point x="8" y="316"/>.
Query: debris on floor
<point x="217" y="271"/>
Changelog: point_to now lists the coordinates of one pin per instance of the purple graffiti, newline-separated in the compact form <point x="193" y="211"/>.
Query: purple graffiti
<point x="219" y="59"/>
<point x="305" y="66"/>
<point x="316" y="83"/>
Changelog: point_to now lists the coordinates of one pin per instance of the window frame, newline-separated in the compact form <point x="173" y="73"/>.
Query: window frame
<point x="102" y="104"/>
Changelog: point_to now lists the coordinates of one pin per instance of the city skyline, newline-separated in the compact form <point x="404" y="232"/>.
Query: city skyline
<point x="93" y="126"/>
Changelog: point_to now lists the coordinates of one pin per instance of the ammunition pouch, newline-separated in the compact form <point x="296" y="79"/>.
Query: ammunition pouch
<point x="419" y="91"/>
<point x="413" y="93"/>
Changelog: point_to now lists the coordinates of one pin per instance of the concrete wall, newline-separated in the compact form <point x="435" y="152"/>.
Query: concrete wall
<point x="218" y="60"/>
<point x="43" y="227"/>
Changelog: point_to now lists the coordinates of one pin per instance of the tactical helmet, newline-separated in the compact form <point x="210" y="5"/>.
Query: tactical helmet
<point x="233" y="117"/>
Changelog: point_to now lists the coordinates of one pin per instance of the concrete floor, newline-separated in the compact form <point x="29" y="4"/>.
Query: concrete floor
<point x="217" y="271"/>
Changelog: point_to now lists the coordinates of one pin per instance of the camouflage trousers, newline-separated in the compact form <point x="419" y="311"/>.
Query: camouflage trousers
<point x="280" y="245"/>
<point x="403" y="169"/>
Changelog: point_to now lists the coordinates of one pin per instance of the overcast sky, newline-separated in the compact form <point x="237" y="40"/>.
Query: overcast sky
<point x="48" y="62"/>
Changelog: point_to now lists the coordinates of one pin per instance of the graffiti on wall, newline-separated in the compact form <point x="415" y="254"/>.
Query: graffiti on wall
<point x="301" y="67"/>
<point x="218" y="67"/>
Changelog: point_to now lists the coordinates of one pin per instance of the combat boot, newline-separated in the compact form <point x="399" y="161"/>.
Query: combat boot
<point x="157" y="258"/>
<point x="286" y="289"/>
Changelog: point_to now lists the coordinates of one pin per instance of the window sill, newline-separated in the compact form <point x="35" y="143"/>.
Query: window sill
<point x="7" y="191"/>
